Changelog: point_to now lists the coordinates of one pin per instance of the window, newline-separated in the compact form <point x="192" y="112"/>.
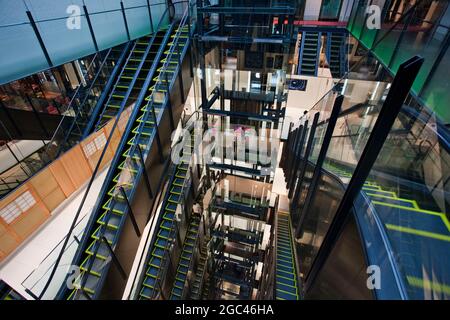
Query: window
<point x="13" y="210"/>
<point x="95" y="145"/>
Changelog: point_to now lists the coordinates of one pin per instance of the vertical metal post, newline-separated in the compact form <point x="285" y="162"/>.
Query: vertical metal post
<point x="91" y="30"/>
<point x="39" y="38"/>
<point x="158" y="139"/>
<point x="305" y="160"/>
<point x="38" y="118"/>
<point x="147" y="181"/>
<point x="114" y="258"/>
<point x="10" y="118"/>
<point x="180" y="74"/>
<point x="169" y="104"/>
<point x="291" y="153"/>
<point x="400" y="87"/>
<point x="125" y="20"/>
<point x="320" y="159"/>
<point x="297" y="159"/>
<point x="130" y="211"/>
<point x="150" y="16"/>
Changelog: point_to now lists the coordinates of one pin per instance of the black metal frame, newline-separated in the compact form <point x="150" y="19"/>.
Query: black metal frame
<point x="400" y="87"/>
<point x="320" y="159"/>
<point x="298" y="148"/>
<point x="304" y="163"/>
<point x="91" y="30"/>
<point x="39" y="38"/>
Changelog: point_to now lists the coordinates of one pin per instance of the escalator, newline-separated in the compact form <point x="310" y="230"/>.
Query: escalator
<point x="104" y="228"/>
<point x="166" y="230"/>
<point x="309" y="53"/>
<point x="286" y="272"/>
<point x="336" y="54"/>
<point x="200" y="274"/>
<point x="88" y="99"/>
<point x="132" y="77"/>
<point x="186" y="259"/>
<point x="8" y="293"/>
<point x="410" y="229"/>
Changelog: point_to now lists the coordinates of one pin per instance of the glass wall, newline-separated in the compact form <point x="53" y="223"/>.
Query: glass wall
<point x="408" y="29"/>
<point x="63" y="27"/>
<point x="403" y="209"/>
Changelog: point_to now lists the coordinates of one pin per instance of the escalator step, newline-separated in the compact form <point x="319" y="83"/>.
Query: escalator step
<point x="161" y="243"/>
<point x="152" y="272"/>
<point x="100" y="248"/>
<point x="112" y="219"/>
<point x="175" y="198"/>
<point x="182" y="269"/>
<point x="286" y="288"/>
<point x="165" y="234"/>
<point x="166" y="224"/>
<point x="285" y="269"/>
<point x="172" y="207"/>
<point x="285" y="295"/>
<point x="290" y="282"/>
<point x="169" y="215"/>
<point x="149" y="282"/>
<point x="177" y="292"/>
<point x="155" y="262"/>
<point x="158" y="252"/>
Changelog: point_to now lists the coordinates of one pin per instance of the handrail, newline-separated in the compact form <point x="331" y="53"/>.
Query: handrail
<point x="88" y="188"/>
<point x="76" y="95"/>
<point x="80" y="110"/>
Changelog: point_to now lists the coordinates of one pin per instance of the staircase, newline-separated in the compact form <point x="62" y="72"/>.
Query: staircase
<point x="104" y="227"/>
<point x="166" y="230"/>
<point x="286" y="274"/>
<point x="309" y="53"/>
<point x="186" y="259"/>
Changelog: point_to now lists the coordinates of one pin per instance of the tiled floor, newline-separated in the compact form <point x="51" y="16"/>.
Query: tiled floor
<point x="16" y="268"/>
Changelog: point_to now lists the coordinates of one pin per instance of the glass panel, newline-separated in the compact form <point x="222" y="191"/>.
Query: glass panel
<point x="339" y="279"/>
<point x="368" y="36"/>
<point x="330" y="9"/>
<point x="423" y="37"/>
<point x="437" y="90"/>
<point x="410" y="195"/>
<point x="360" y="18"/>
<point x="25" y="55"/>
<point x="138" y="18"/>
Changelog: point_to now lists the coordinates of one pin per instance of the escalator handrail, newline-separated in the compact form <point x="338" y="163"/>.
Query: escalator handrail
<point x="77" y="92"/>
<point x="89" y="185"/>
<point x="400" y="285"/>
<point x="80" y="110"/>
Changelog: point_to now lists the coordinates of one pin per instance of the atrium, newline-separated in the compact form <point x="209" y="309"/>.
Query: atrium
<point x="224" y="150"/>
